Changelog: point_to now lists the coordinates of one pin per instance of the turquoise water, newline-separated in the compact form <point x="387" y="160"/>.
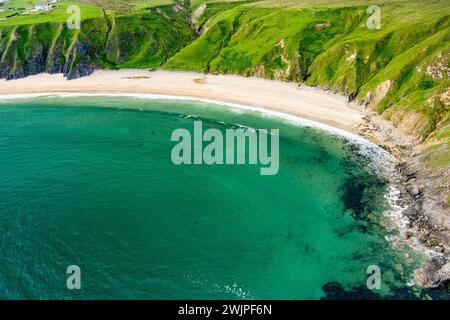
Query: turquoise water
<point x="91" y="186"/>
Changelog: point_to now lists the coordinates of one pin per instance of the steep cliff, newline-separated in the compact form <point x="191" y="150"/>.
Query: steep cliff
<point x="135" y="40"/>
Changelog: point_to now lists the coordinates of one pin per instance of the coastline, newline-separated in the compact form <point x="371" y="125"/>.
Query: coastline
<point x="304" y="102"/>
<point x="278" y="99"/>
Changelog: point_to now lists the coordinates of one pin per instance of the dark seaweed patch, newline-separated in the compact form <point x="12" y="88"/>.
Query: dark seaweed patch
<point x="353" y="195"/>
<point x="360" y="194"/>
<point x="335" y="291"/>
<point x="363" y="190"/>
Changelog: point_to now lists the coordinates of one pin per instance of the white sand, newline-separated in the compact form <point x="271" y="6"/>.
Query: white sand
<point x="306" y="102"/>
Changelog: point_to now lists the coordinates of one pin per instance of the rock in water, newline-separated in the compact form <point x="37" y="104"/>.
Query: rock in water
<point x="435" y="273"/>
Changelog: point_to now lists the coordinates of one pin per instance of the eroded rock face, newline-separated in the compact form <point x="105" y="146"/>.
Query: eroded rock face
<point x="79" y="64"/>
<point x="19" y="61"/>
<point x="196" y="15"/>
<point x="435" y="273"/>
<point x="103" y="42"/>
<point x="379" y="93"/>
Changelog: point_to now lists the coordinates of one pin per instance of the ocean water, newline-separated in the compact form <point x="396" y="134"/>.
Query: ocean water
<point x="89" y="181"/>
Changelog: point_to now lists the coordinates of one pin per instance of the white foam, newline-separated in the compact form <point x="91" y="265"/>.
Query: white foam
<point x="369" y="148"/>
<point x="401" y="222"/>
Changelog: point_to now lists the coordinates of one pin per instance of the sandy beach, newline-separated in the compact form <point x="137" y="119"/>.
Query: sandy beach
<point x="306" y="102"/>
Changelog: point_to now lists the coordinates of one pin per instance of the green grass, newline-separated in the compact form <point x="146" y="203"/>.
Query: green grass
<point x="89" y="9"/>
<point x="129" y="6"/>
<point x="8" y="13"/>
<point x="438" y="155"/>
<point x="443" y="133"/>
<point x="56" y="15"/>
<point x="146" y="40"/>
<point x="20" y="3"/>
<point x="214" y="8"/>
<point x="196" y="3"/>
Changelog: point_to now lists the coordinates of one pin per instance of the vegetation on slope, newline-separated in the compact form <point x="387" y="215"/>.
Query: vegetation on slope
<point x="147" y="39"/>
<point x="401" y="70"/>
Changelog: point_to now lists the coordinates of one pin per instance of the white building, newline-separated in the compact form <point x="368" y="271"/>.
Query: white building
<point x="43" y="6"/>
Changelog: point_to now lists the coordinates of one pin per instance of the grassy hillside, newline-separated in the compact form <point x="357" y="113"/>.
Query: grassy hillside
<point x="128" y="5"/>
<point x="146" y="39"/>
<point x="401" y="70"/>
<point x="59" y="14"/>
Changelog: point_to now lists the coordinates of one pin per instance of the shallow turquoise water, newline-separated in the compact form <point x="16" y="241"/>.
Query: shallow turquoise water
<point x="95" y="187"/>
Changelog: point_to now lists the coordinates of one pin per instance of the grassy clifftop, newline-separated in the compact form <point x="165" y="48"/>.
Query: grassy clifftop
<point x="400" y="70"/>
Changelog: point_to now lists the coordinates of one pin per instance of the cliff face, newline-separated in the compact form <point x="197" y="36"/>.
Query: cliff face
<point x="32" y="49"/>
<point x="144" y="40"/>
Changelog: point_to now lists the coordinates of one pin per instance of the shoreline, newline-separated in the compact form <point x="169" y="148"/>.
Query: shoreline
<point x="369" y="150"/>
<point x="288" y="117"/>
<point x="318" y="108"/>
<point x="305" y="102"/>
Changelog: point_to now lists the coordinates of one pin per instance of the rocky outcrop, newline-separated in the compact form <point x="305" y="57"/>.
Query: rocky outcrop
<point x="435" y="273"/>
<point x="78" y="64"/>
<point x="374" y="97"/>
<point x="196" y="15"/>
<point x="426" y="207"/>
